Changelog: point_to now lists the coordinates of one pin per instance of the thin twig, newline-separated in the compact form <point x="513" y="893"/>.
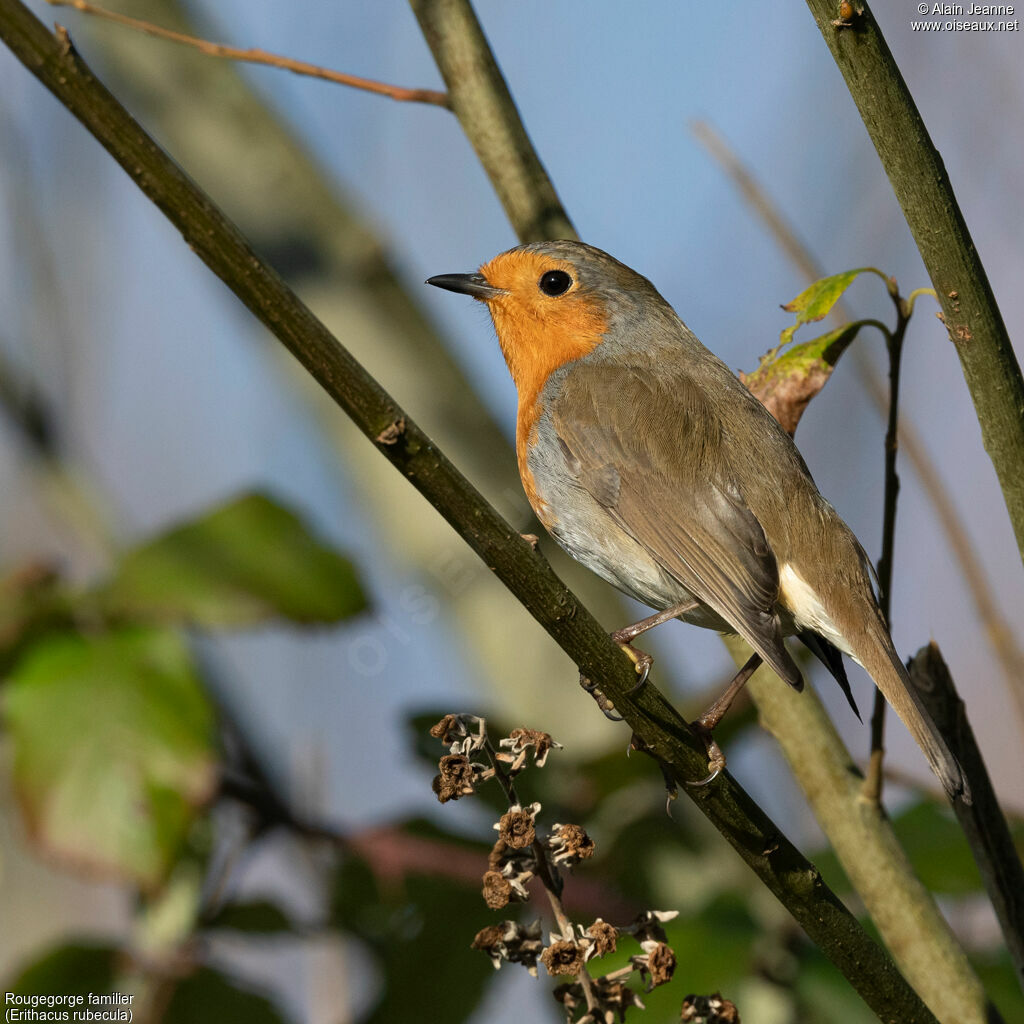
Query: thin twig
<point x="986" y="604"/>
<point x="872" y="787"/>
<point x="218" y="243"/>
<point x="254" y="55"/>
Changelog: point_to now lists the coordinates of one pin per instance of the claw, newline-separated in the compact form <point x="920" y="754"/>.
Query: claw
<point x="716" y="756"/>
<point x="606" y="706"/>
<point x="638" y="685"/>
<point x="642" y="661"/>
<point x="703" y="782"/>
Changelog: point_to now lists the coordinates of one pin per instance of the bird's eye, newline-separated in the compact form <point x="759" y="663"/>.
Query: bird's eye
<point x="555" y="282"/>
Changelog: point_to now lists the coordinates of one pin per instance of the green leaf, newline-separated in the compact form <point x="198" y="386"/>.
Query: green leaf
<point x="73" y="969"/>
<point x="112" y="744"/>
<point x="816" y="301"/>
<point x="207" y="997"/>
<point x="259" y="916"/>
<point x="242" y="564"/>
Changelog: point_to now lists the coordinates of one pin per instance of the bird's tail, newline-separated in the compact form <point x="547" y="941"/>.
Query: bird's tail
<point x="879" y="658"/>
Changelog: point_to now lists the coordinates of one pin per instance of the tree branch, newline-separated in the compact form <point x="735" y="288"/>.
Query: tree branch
<point x="923" y="189"/>
<point x="861" y="834"/>
<point x="777" y="862"/>
<point x="982" y="821"/>
<point x="483" y="105"/>
<point x="253" y="55"/>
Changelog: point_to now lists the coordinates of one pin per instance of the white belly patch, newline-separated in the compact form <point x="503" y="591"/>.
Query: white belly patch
<point x="806" y="608"/>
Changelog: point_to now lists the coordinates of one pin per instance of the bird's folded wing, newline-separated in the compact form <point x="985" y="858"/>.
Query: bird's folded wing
<point x="651" y="452"/>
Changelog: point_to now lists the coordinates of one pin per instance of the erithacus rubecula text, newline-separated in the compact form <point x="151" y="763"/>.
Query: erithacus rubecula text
<point x="649" y="462"/>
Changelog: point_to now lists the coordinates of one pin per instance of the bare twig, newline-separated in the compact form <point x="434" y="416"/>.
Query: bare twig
<point x="872" y="788"/>
<point x="254" y="55"/>
<point x="785" y="872"/>
<point x="1001" y="636"/>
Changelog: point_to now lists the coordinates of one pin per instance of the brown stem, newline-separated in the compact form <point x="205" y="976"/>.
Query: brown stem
<point x="217" y="242"/>
<point x="254" y="55"/>
<point x="872" y="788"/>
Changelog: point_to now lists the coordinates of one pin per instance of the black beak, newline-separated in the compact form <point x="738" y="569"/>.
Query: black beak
<point x="466" y="284"/>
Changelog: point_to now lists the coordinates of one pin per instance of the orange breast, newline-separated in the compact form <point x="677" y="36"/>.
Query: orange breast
<point x="538" y="334"/>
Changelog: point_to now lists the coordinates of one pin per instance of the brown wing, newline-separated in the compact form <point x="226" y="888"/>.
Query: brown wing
<point x="652" y="452"/>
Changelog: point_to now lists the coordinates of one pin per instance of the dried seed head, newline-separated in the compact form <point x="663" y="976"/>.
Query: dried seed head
<point x="656" y="966"/>
<point x="497" y="890"/>
<point x="646" y="927"/>
<point x="564" y="957"/>
<point x="456" y="778"/>
<point x="462" y="734"/>
<point x="512" y="942"/>
<point x="569" y="844"/>
<point x="516" y="826"/>
<point x="615" y="998"/>
<point x="445" y="730"/>
<point x="711" y="1009"/>
<point x="604" y="936"/>
<point x="518" y="743"/>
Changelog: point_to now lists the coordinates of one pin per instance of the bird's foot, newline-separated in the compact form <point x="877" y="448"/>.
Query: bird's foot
<point x="606" y="706"/>
<point x="642" y="661"/>
<point x="716" y="756"/>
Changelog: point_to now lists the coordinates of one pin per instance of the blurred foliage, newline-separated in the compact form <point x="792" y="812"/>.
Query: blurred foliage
<point x="73" y="969"/>
<point x="416" y="930"/>
<point x="113" y="748"/>
<point x="111" y="732"/>
<point x="237" y="566"/>
<point x="207" y="997"/>
<point x="116" y="766"/>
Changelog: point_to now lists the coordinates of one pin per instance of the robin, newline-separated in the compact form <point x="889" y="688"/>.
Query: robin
<point x="649" y="462"/>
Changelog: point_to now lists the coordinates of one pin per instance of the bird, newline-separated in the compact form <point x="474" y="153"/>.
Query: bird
<point x="649" y="461"/>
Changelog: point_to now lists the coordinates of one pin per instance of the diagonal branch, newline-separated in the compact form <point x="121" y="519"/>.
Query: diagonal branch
<point x="923" y="189"/>
<point x="253" y="55"/>
<point x="983" y="822"/>
<point x="488" y="115"/>
<point x="215" y="240"/>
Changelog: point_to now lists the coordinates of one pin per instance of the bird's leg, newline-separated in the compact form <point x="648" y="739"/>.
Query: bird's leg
<point x="625" y="637"/>
<point x="641" y="659"/>
<point x="705" y="725"/>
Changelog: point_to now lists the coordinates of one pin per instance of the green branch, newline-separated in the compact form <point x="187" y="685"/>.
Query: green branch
<point x="923" y="189"/>
<point x="218" y="243"/>
<point x="481" y="101"/>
